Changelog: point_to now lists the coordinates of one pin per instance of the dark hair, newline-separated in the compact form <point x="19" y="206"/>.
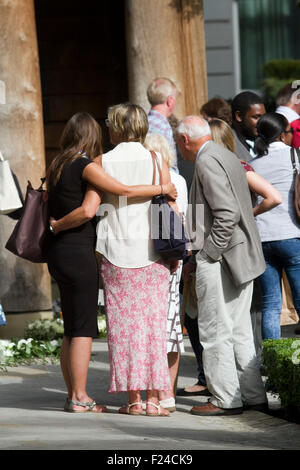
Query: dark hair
<point x="243" y="102"/>
<point x="269" y="128"/>
<point x="217" y="108"/>
<point x="81" y="135"/>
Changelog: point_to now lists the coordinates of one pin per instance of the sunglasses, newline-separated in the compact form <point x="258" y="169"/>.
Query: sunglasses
<point x="290" y="131"/>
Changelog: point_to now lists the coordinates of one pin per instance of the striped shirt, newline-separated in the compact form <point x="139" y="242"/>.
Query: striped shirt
<point x="159" y="124"/>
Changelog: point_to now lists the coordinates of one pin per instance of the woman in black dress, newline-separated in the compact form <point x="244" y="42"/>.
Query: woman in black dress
<point x="75" y="183"/>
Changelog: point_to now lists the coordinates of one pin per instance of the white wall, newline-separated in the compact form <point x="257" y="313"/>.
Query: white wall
<point x="222" y="47"/>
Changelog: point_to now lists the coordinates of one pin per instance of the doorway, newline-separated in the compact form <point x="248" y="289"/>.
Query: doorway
<point x="82" y="54"/>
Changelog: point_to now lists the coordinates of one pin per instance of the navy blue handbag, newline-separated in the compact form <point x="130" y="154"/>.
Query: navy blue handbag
<point x="168" y="232"/>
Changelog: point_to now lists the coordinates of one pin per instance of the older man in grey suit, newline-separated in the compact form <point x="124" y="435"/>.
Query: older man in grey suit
<point x="227" y="257"/>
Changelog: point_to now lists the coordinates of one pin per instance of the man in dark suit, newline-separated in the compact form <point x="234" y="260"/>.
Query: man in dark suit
<point x="227" y="257"/>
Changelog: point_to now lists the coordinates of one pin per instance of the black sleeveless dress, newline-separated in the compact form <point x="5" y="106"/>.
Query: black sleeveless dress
<point x="71" y="258"/>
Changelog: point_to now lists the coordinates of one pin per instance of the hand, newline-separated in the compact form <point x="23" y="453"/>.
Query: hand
<point x="53" y="224"/>
<point x="187" y="269"/>
<point x="170" y="190"/>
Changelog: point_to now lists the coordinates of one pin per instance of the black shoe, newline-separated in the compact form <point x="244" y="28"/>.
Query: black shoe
<point x="258" y="407"/>
<point x="181" y="392"/>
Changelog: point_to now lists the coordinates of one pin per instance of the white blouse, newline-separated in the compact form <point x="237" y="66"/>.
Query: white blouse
<point x="124" y="229"/>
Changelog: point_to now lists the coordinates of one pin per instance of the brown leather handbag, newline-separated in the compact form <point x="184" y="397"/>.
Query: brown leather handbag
<point x="31" y="235"/>
<point x="296" y="181"/>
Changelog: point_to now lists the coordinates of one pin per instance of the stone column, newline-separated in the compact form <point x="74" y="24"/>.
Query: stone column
<point x="166" y="38"/>
<point x="25" y="290"/>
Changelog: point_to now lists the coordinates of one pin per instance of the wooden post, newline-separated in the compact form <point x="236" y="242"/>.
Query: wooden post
<point x="25" y="290"/>
<point x="166" y="38"/>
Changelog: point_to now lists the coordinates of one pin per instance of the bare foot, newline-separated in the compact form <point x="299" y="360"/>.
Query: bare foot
<point x="154" y="409"/>
<point x="92" y="406"/>
<point x="195" y="388"/>
<point x="131" y="410"/>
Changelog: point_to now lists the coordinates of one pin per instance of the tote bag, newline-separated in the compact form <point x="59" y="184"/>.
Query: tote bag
<point x="31" y="235"/>
<point x="9" y="196"/>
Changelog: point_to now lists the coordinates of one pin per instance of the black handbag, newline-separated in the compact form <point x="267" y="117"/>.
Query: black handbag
<point x="31" y="235"/>
<point x="167" y="228"/>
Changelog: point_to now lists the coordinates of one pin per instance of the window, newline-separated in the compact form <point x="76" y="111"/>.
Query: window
<point x="269" y="29"/>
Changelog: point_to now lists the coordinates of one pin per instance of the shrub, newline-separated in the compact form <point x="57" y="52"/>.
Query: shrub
<point x="278" y="73"/>
<point x="282" y="360"/>
<point x="45" y="330"/>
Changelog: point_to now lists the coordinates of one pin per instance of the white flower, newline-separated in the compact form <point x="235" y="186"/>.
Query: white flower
<point x="22" y="341"/>
<point x="8" y="353"/>
<point x="54" y="342"/>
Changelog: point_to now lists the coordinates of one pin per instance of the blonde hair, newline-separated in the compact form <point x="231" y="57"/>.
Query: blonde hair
<point x="159" y="143"/>
<point x="222" y="134"/>
<point x="159" y="90"/>
<point x="128" y="122"/>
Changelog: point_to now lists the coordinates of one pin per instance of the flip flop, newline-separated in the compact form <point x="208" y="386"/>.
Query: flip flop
<point x="89" y="404"/>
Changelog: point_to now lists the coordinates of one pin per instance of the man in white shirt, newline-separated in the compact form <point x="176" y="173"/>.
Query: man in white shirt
<point x="288" y="102"/>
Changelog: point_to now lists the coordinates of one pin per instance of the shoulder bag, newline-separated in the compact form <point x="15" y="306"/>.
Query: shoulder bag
<point x="31" y="235"/>
<point x="168" y="232"/>
<point x="9" y="196"/>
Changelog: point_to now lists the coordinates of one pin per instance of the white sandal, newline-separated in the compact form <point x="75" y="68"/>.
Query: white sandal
<point x="128" y="410"/>
<point x="158" y="408"/>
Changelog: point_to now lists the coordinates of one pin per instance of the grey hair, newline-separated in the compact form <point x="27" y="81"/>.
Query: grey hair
<point x="194" y="130"/>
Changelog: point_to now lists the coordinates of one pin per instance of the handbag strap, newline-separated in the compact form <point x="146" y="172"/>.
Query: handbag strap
<point x="155" y="163"/>
<point x="293" y="158"/>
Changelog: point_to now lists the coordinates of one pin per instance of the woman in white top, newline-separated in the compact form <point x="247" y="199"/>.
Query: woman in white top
<point x="159" y="144"/>
<point x="279" y="229"/>
<point x="136" y="282"/>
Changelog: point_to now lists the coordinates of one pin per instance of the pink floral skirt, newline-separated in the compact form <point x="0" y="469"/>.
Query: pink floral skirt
<point x="136" y="308"/>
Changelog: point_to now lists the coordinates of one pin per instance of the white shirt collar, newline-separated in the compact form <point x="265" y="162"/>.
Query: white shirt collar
<point x="289" y="113"/>
<point x="202" y="148"/>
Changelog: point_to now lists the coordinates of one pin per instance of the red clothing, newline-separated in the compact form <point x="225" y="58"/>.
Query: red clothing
<point x="246" y="166"/>
<point x="296" y="137"/>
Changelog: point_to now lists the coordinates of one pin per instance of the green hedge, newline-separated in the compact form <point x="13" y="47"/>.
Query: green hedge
<point x="282" y="360"/>
<point x="278" y="73"/>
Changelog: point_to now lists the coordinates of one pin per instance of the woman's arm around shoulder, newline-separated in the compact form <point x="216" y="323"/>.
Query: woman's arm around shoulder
<point x="97" y="177"/>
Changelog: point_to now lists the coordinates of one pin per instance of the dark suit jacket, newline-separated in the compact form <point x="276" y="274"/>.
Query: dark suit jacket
<point x="228" y="230"/>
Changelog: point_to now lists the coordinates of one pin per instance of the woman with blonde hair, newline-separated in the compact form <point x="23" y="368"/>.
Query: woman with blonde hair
<point x="158" y="143"/>
<point x="75" y="184"/>
<point x="222" y="134"/>
<point x="136" y="281"/>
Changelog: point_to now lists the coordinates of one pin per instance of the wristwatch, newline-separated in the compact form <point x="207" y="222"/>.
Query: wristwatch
<point x="51" y="228"/>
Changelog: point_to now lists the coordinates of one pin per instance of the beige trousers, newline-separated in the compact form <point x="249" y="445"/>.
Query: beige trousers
<point x="231" y="367"/>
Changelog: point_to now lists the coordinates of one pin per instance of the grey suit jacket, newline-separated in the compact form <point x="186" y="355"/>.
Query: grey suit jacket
<point x="227" y="232"/>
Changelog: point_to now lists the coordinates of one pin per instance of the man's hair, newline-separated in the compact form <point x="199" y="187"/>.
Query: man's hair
<point x="243" y="102"/>
<point x="193" y="130"/>
<point x="159" y="90"/>
<point x="284" y="95"/>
